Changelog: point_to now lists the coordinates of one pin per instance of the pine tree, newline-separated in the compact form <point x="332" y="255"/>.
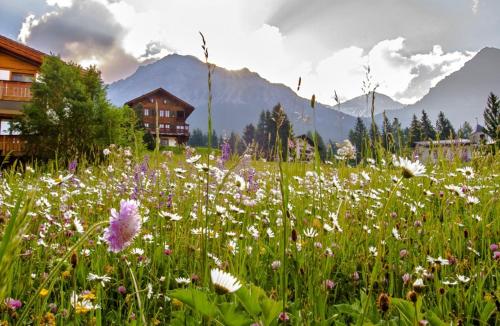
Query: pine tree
<point x="444" y="127"/>
<point x="465" y="131"/>
<point x="492" y="117"/>
<point x="415" y="130"/>
<point x="398" y="134"/>
<point x="427" y="129"/>
<point x="249" y="134"/>
<point x="387" y="132"/>
<point x="358" y="136"/>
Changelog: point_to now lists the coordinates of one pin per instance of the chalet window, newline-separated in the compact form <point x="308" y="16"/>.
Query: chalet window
<point x="4" y="74"/>
<point x="162" y="126"/>
<point x="180" y="114"/>
<point x="5" y="126"/>
<point x="146" y="112"/>
<point x="162" y="113"/>
<point x="167" y="126"/>
<point x="22" y="77"/>
<point x="180" y="127"/>
<point x="146" y="125"/>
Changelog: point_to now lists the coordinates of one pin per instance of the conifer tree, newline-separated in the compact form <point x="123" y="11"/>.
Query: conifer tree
<point x="415" y="130"/>
<point x="492" y="116"/>
<point x="444" y="127"/>
<point x="427" y="129"/>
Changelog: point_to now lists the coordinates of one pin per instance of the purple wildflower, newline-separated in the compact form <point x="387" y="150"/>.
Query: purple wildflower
<point x="13" y="304"/>
<point x="122" y="290"/>
<point x="72" y="166"/>
<point x="496" y="255"/>
<point x="226" y="150"/>
<point x="493" y="247"/>
<point x="123" y="226"/>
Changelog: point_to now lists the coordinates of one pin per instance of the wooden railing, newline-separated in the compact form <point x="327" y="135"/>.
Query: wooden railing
<point x="15" y="91"/>
<point x="9" y="144"/>
<point x="173" y="130"/>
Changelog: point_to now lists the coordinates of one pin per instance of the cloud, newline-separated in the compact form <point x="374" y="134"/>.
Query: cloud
<point x="119" y="35"/>
<point x="403" y="76"/>
<point x="81" y="31"/>
<point x="475" y="6"/>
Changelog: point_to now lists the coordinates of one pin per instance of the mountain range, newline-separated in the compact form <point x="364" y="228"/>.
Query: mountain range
<point x="240" y="95"/>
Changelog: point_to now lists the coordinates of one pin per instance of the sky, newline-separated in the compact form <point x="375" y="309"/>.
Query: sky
<point x="409" y="45"/>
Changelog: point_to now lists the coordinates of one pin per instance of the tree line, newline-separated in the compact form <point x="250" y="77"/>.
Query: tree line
<point x="393" y="137"/>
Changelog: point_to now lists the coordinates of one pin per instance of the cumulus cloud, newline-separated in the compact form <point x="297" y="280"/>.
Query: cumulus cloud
<point x="118" y="35"/>
<point x="403" y="76"/>
<point x="475" y="6"/>
<point x="81" y="31"/>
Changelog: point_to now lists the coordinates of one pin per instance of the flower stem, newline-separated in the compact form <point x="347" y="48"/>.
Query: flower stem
<point x="54" y="270"/>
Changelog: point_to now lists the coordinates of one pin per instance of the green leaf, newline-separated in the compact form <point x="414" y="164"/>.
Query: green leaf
<point x="487" y="311"/>
<point x="250" y="299"/>
<point x="232" y="317"/>
<point x="406" y="310"/>
<point x="197" y="300"/>
<point x="434" y="320"/>
<point x="270" y="309"/>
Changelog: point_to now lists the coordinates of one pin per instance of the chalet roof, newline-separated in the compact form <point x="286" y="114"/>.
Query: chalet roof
<point x="160" y="91"/>
<point x="479" y="128"/>
<point x="21" y="50"/>
<point x="308" y="140"/>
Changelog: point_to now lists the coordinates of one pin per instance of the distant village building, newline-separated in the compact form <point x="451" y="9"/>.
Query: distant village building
<point x="301" y="148"/>
<point x="19" y="65"/>
<point x="451" y="149"/>
<point x="172" y="114"/>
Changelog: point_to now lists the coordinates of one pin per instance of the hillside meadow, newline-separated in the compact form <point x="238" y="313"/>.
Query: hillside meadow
<point x="179" y="239"/>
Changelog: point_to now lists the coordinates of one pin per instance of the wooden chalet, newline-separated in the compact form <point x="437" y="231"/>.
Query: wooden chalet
<point x="172" y="114"/>
<point x="19" y="65"/>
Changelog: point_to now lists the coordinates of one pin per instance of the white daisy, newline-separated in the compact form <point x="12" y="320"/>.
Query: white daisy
<point x="224" y="282"/>
<point x="183" y="280"/>
<point x="310" y="233"/>
<point x="410" y="169"/>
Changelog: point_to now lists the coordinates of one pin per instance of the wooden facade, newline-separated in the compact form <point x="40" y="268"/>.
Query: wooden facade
<point x="172" y="115"/>
<point x="19" y="65"/>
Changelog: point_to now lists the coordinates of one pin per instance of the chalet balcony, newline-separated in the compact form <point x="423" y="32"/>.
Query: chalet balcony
<point x="175" y="130"/>
<point x="15" y="91"/>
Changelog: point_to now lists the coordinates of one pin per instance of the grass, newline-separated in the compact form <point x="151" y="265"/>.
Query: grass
<point x="388" y="235"/>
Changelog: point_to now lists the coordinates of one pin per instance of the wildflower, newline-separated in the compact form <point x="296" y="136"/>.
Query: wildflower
<point x="240" y="183"/>
<point x="493" y="247"/>
<point x="224" y="282"/>
<point x="106" y="152"/>
<point x="183" y="280"/>
<point x="403" y="253"/>
<point x="418" y="285"/>
<point x="329" y="284"/>
<point x="13" y="304"/>
<point x="310" y="233"/>
<point x="275" y="265"/>
<point x="406" y="278"/>
<point x="496" y="255"/>
<point x="395" y="234"/>
<point x="283" y="317"/>
<point x="103" y="279"/>
<point x="410" y="169"/>
<point x="412" y="296"/>
<point x="122" y="290"/>
<point x="345" y="151"/>
<point x="373" y="251"/>
<point x="43" y="293"/>
<point x="124" y="226"/>
<point x="467" y="172"/>
<point x="463" y="278"/>
<point x="383" y="302"/>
